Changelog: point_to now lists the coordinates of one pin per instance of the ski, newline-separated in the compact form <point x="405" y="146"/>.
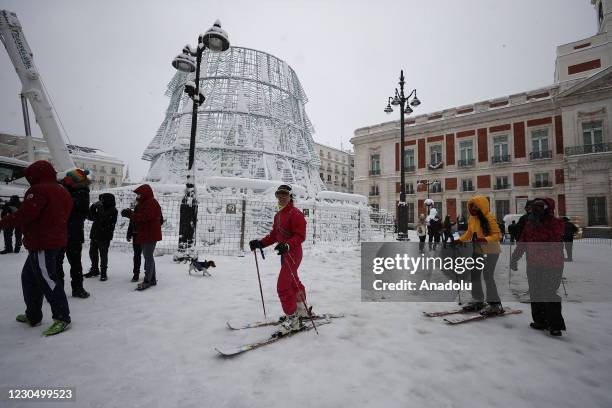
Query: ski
<point x="279" y="321"/>
<point x="231" y="352"/>
<point x="459" y="320"/>
<point x="445" y="312"/>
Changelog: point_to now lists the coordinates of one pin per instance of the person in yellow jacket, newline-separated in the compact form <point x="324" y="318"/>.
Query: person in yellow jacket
<point x="484" y="234"/>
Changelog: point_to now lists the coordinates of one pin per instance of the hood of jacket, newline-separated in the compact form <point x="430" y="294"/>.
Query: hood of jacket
<point x="108" y="200"/>
<point x="39" y="172"/>
<point x="145" y="192"/>
<point x="480" y="202"/>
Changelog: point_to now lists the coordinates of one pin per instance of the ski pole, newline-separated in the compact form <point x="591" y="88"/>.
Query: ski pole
<point x="302" y="298"/>
<point x="259" y="279"/>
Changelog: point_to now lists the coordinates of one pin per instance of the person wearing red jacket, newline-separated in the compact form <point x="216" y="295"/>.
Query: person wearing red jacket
<point x="289" y="231"/>
<point x="147" y="219"/>
<point x="541" y="239"/>
<point x="43" y="219"/>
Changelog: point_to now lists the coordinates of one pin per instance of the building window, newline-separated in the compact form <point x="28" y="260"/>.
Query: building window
<point x="541" y="180"/>
<point x="466" y="153"/>
<point x="374" y="190"/>
<point x="501" y="183"/>
<point x="375" y="164"/>
<point x="322" y="177"/>
<point x="409" y="160"/>
<point x="113" y="170"/>
<point x="435" y="155"/>
<point x="592" y="136"/>
<point x="336" y="157"/>
<point x="328" y="155"/>
<point x="321" y="153"/>
<point x="540" y="148"/>
<point x="438" y="206"/>
<point x="375" y="207"/>
<point x="500" y="149"/>
<point x="329" y="178"/>
<point x="410" y="211"/>
<point x="409" y="188"/>
<point x="502" y="207"/>
<point x="464" y="210"/>
<point x="597" y="211"/>
<point x="467" y="185"/>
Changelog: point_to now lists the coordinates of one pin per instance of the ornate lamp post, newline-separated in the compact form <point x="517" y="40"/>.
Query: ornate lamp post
<point x="215" y="39"/>
<point x="404" y="104"/>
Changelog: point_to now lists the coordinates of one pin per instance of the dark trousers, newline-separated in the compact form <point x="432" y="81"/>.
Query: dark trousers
<point x="422" y="242"/>
<point x="569" y="246"/>
<point x="544" y="283"/>
<point x="73" y="253"/>
<point x="489" y="277"/>
<point x="39" y="278"/>
<point x="137" y="257"/>
<point x="8" y="239"/>
<point x="99" y="247"/>
<point x="149" y="262"/>
<point x="448" y="235"/>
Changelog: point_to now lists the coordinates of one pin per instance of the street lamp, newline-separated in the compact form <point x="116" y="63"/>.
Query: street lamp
<point x="217" y="40"/>
<point x="405" y="108"/>
<point x="428" y="183"/>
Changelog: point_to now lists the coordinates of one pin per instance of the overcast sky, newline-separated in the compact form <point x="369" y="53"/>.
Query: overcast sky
<point x="106" y="63"/>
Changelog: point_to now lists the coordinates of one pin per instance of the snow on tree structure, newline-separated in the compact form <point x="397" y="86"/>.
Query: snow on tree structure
<point x="252" y="125"/>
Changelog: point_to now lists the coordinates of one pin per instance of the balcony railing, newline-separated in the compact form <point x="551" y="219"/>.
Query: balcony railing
<point x="541" y="154"/>
<point x="500" y="159"/>
<point x="436" y="166"/>
<point x="465" y="162"/>
<point x="375" y="172"/>
<point x="435" y="189"/>
<point x="373" y="193"/>
<point x="467" y="188"/>
<point x="586" y="149"/>
<point x="542" y="184"/>
<point x="503" y="186"/>
<point x="409" y="169"/>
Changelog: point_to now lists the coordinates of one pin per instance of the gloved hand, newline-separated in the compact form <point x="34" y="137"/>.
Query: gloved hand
<point x="127" y="212"/>
<point x="254" y="244"/>
<point x="282" y="248"/>
<point x="129" y="239"/>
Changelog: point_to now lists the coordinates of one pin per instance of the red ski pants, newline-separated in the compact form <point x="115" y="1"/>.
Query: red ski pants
<point x="289" y="287"/>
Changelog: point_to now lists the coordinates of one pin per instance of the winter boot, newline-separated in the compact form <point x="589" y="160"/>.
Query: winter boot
<point x="136" y="277"/>
<point x="57" y="327"/>
<point x="473" y="307"/>
<point x="6" y="250"/>
<point x="492" y="309"/>
<point x="22" y="318"/>
<point x="103" y="276"/>
<point x="93" y="272"/>
<point x="17" y="249"/>
<point x="290" y="324"/>
<point x="144" y="285"/>
<point x="555" y="332"/>
<point x="302" y="312"/>
<point x="80" y="293"/>
<point x="537" y="326"/>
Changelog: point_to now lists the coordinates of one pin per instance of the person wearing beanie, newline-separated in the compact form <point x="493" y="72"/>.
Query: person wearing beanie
<point x="43" y="219"/>
<point x="288" y="232"/>
<point x="77" y="184"/>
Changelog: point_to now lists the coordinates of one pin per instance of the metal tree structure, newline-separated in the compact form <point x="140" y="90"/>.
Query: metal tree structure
<point x="252" y="124"/>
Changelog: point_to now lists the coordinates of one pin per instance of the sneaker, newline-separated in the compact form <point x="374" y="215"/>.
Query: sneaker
<point x="80" y="293"/>
<point x="57" y="327"/>
<point x="473" y="307"/>
<point x="103" y="277"/>
<point x="22" y="318"/>
<point x="92" y="273"/>
<point x="144" y="285"/>
<point x="492" y="309"/>
<point x="291" y="323"/>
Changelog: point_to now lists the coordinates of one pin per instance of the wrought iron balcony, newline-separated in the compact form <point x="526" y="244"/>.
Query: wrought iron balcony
<point x="542" y="184"/>
<point x="435" y="189"/>
<point x="469" y="187"/>
<point x="503" y="186"/>
<point x="409" y="169"/>
<point x="540" y="154"/>
<point x="374" y="193"/>
<point x="375" y="172"/>
<point x="500" y="159"/>
<point x="436" y="166"/>
<point x="587" y="149"/>
<point x="465" y="162"/>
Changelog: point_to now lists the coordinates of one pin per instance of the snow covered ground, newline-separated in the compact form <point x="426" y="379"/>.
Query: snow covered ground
<point x="156" y="348"/>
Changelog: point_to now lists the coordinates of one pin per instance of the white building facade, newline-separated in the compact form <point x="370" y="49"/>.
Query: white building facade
<point x="337" y="168"/>
<point x="551" y="142"/>
<point x="106" y="170"/>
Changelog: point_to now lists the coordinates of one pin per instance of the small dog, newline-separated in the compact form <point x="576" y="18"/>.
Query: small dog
<point x="203" y="266"/>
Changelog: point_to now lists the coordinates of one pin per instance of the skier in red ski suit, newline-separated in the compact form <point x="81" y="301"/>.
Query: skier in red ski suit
<point x="289" y="231"/>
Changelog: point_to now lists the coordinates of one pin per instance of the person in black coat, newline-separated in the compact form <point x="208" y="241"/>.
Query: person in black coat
<point x="435" y="227"/>
<point x="447" y="229"/>
<point x="104" y="217"/>
<point x="568" y="238"/>
<point x="77" y="184"/>
<point x="11" y="207"/>
<point x="512" y="231"/>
